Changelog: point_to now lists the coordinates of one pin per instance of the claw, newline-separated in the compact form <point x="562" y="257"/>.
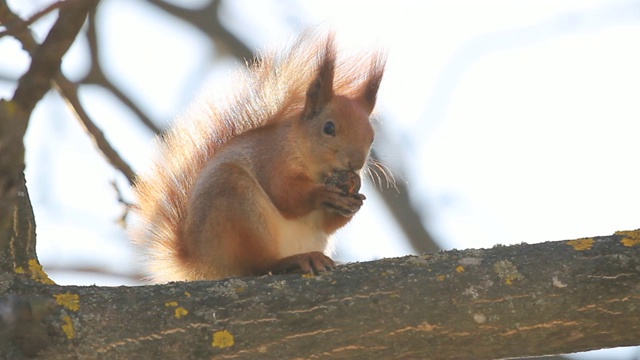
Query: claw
<point x="337" y="201"/>
<point x="309" y="263"/>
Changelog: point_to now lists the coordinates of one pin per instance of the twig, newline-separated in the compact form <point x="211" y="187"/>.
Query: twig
<point x="207" y="20"/>
<point x="47" y="57"/>
<point x="14" y="27"/>
<point x="122" y="220"/>
<point x="96" y="76"/>
<point x="69" y="91"/>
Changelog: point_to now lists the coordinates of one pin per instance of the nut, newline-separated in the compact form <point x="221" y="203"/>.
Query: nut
<point x="346" y="180"/>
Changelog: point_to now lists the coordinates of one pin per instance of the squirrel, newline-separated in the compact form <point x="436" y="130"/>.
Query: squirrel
<point x="257" y="181"/>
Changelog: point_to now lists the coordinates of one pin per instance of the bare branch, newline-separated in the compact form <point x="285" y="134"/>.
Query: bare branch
<point x="19" y="25"/>
<point x="407" y="217"/>
<point x="207" y="20"/>
<point x="46" y="58"/>
<point x="69" y="91"/>
<point x="17" y="227"/>
<point x="96" y="76"/>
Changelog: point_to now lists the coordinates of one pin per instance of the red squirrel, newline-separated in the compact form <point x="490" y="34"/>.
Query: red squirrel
<point x="257" y="181"/>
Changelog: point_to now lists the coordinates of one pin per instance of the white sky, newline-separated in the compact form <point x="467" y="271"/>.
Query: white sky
<point x="516" y="120"/>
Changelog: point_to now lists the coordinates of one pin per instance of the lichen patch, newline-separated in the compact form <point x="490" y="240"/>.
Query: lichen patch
<point x="222" y="339"/>
<point x="581" y="244"/>
<point x="68" y="300"/>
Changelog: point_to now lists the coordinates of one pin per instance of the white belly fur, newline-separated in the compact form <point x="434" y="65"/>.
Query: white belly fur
<point x="303" y="235"/>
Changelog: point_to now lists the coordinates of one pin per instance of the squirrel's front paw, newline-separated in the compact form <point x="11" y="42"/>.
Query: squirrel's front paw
<point x="337" y="201"/>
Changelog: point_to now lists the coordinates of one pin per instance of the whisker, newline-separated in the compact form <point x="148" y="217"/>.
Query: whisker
<point x="369" y="173"/>
<point x="366" y="172"/>
<point x="391" y="180"/>
<point x="377" y="170"/>
<point x="377" y="177"/>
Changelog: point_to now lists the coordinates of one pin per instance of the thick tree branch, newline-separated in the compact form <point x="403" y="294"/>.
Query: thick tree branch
<point x="520" y="300"/>
<point x="17" y="248"/>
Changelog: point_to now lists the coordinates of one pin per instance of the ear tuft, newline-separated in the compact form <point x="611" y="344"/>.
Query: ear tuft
<point x="369" y="90"/>
<point x="320" y="92"/>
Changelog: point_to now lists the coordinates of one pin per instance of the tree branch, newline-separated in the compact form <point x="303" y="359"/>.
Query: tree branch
<point x="69" y="91"/>
<point x="97" y="77"/>
<point x="207" y="20"/>
<point x="405" y="215"/>
<point x="520" y="300"/>
<point x="17" y="248"/>
<point x="23" y="25"/>
<point x="45" y="63"/>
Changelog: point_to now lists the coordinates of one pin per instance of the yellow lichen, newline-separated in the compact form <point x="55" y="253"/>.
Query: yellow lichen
<point x="628" y="242"/>
<point x="630" y="238"/>
<point x="581" y="244"/>
<point x="507" y="271"/>
<point x="308" y="275"/>
<point x="222" y="339"/>
<point x="441" y="277"/>
<point x="180" y="312"/>
<point x="10" y="107"/>
<point x="68" y="327"/>
<point x="68" y="300"/>
<point x="19" y="270"/>
<point x="510" y="279"/>
<point x="460" y="269"/>
<point x="38" y="274"/>
<point x="187" y="294"/>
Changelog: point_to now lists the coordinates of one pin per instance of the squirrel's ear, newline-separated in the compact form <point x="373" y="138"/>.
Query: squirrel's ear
<point x="320" y="91"/>
<point x="369" y="90"/>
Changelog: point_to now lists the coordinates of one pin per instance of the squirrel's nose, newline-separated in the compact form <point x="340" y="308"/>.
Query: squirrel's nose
<point x="356" y="162"/>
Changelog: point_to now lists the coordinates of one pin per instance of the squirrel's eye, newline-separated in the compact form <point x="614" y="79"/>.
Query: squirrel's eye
<point x="330" y="128"/>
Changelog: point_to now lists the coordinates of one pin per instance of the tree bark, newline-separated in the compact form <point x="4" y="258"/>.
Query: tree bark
<point x="508" y="301"/>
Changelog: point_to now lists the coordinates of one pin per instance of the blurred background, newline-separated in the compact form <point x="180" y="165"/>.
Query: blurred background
<point x="502" y="121"/>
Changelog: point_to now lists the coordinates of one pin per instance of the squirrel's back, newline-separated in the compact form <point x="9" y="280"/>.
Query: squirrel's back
<point x="270" y="89"/>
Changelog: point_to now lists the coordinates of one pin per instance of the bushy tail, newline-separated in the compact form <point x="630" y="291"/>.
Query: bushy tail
<point x="272" y="88"/>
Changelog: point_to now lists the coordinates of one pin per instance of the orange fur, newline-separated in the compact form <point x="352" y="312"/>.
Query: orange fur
<point x="237" y="187"/>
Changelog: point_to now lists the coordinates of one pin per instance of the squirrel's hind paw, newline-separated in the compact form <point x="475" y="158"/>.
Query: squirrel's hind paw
<point x="310" y="263"/>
